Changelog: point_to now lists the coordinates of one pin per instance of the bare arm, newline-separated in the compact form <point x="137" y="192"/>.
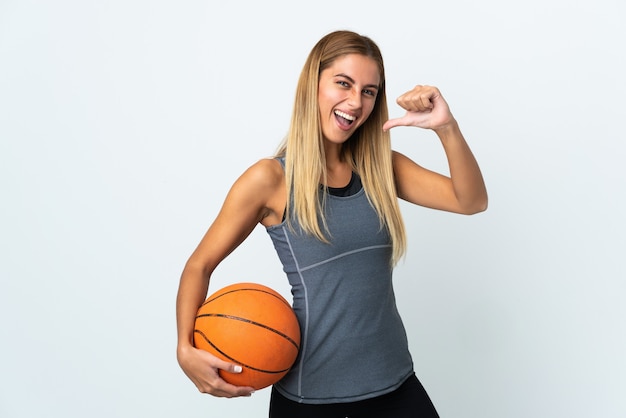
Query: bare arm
<point x="244" y="207"/>
<point x="464" y="191"/>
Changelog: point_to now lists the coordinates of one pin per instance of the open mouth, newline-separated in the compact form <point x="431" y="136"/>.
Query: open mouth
<point x="344" y="119"/>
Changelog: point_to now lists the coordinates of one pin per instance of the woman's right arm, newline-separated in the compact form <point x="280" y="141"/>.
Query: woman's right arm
<point x="244" y="207"/>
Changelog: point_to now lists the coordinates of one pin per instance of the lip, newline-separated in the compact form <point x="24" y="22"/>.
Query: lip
<point x="341" y="115"/>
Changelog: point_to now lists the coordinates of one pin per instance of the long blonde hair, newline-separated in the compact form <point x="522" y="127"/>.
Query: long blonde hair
<point x="368" y="151"/>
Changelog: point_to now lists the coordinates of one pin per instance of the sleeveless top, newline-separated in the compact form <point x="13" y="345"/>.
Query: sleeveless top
<point x="354" y="345"/>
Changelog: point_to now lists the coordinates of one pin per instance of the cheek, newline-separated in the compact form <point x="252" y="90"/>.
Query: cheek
<point x="367" y="111"/>
<point x="326" y="99"/>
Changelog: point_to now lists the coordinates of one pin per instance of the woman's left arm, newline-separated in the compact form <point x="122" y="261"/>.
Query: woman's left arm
<point x="464" y="191"/>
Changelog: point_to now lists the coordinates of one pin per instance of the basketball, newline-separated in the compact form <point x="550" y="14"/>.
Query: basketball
<point x="250" y="325"/>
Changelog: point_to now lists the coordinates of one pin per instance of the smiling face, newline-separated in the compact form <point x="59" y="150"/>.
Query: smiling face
<point x="347" y="94"/>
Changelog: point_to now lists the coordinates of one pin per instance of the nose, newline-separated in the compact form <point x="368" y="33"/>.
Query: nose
<point x="355" y="98"/>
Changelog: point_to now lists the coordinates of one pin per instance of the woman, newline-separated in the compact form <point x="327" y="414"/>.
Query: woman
<point x="329" y="201"/>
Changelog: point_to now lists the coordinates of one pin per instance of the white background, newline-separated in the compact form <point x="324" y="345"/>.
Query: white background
<point x="124" y="123"/>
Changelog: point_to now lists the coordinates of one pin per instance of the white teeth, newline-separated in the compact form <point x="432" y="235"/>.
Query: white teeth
<point x="344" y="115"/>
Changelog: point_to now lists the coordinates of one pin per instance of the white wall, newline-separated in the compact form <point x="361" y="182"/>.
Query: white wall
<point x="123" y="124"/>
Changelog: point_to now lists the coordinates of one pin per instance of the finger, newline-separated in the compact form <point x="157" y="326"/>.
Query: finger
<point x="216" y="386"/>
<point x="413" y="102"/>
<point x="226" y="390"/>
<point x="218" y="363"/>
<point x="424" y="102"/>
<point x="231" y="368"/>
<point x="419" y="99"/>
<point x="392" y="123"/>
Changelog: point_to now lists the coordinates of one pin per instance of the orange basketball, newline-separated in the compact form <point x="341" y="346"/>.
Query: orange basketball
<point x="250" y="325"/>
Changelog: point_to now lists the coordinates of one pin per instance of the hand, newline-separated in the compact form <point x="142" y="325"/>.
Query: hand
<point x="202" y="368"/>
<point x="425" y="108"/>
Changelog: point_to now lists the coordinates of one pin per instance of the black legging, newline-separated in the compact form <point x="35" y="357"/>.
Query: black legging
<point x="408" y="401"/>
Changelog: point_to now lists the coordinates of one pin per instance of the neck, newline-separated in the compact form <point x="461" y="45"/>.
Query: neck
<point x="338" y="171"/>
<point x="332" y="152"/>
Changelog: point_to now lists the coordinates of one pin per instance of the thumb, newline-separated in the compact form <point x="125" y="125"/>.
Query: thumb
<point x="218" y="363"/>
<point x="392" y="123"/>
<point x="229" y="367"/>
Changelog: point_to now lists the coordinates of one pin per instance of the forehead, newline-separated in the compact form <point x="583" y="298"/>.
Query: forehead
<point x="360" y="68"/>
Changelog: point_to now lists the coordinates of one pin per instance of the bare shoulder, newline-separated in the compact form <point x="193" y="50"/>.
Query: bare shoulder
<point x="267" y="173"/>
<point x="261" y="188"/>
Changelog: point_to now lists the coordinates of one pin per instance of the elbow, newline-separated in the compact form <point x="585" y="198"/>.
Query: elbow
<point x="477" y="206"/>
<point x="478" y="209"/>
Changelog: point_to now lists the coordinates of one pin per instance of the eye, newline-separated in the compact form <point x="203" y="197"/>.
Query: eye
<point x="343" y="83"/>
<point x="370" y="92"/>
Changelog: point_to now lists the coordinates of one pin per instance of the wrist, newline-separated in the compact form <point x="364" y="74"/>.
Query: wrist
<point x="448" y="130"/>
<point x="184" y="346"/>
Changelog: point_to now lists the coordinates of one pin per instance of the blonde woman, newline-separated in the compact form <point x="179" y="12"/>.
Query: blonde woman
<point x="329" y="202"/>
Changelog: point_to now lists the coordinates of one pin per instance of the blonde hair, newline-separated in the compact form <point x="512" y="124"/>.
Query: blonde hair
<point x="368" y="151"/>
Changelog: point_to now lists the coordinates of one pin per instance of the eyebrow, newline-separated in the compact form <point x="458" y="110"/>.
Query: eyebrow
<point x="376" y="86"/>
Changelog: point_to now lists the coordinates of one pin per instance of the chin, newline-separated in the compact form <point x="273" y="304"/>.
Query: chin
<point x="339" y="138"/>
